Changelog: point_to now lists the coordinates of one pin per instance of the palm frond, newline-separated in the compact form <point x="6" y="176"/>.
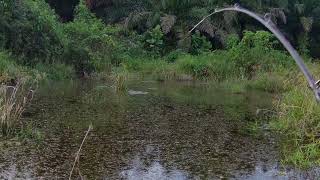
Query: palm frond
<point x="278" y="13"/>
<point x="299" y="8"/>
<point x="207" y="27"/>
<point x="307" y="23"/>
<point x="135" y="19"/>
<point x="167" y="22"/>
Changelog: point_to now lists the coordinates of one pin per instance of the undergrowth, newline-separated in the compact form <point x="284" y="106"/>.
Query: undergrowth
<point x="298" y="122"/>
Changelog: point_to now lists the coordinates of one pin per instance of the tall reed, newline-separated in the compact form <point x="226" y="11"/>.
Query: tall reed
<point x="119" y="80"/>
<point x="13" y="101"/>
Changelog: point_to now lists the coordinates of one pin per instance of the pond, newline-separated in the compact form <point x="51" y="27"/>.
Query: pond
<point x="155" y="130"/>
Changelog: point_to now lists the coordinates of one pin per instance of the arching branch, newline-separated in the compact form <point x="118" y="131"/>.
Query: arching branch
<point x="266" y="21"/>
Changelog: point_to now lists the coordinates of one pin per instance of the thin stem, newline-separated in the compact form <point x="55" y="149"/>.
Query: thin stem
<point x="78" y="153"/>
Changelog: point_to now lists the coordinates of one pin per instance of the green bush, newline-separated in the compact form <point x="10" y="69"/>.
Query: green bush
<point x="212" y="65"/>
<point x="255" y="52"/>
<point x="199" y="44"/>
<point x="154" y="40"/>
<point x="173" y="56"/>
<point x="261" y="39"/>
<point x="90" y="46"/>
<point x="232" y="41"/>
<point x="8" y="69"/>
<point x="132" y="45"/>
<point x="31" y="30"/>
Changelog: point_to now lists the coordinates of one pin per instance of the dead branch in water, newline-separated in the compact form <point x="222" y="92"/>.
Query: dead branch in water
<point x="78" y="152"/>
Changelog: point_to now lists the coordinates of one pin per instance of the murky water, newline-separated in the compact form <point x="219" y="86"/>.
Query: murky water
<point x="156" y="131"/>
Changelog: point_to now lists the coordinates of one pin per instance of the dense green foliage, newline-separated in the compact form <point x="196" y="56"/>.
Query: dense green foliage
<point x="89" y="45"/>
<point x="30" y="29"/>
<point x="299" y="19"/>
<point x="32" y="32"/>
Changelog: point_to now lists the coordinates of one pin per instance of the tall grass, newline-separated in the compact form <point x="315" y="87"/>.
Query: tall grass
<point x="119" y="80"/>
<point x="298" y="122"/>
<point x="13" y="101"/>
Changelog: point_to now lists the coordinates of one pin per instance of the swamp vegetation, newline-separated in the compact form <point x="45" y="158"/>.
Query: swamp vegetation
<point x="223" y="101"/>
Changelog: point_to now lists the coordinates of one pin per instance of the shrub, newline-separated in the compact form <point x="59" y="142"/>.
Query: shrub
<point x="199" y="44"/>
<point x="89" y="43"/>
<point x="132" y="45"/>
<point x="255" y="52"/>
<point x="173" y="56"/>
<point x="232" y="41"/>
<point x="31" y="30"/>
<point x="212" y="65"/>
<point x="8" y="69"/>
<point x="261" y="39"/>
<point x="154" y="40"/>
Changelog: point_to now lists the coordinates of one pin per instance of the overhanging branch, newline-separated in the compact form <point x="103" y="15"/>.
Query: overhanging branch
<point x="266" y="21"/>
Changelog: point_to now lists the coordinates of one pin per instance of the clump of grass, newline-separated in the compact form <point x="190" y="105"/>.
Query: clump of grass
<point x="215" y="66"/>
<point x="156" y="68"/>
<point x="13" y="101"/>
<point x="298" y="123"/>
<point x="254" y="128"/>
<point x="163" y="71"/>
<point x="29" y="132"/>
<point x="235" y="86"/>
<point x="120" y="80"/>
<point x="269" y="82"/>
<point x="56" y="71"/>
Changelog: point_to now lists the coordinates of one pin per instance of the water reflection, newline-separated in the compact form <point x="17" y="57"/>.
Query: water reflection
<point x="139" y="168"/>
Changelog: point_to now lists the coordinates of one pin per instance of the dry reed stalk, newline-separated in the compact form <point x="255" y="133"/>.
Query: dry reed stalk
<point x="78" y="152"/>
<point x="12" y="105"/>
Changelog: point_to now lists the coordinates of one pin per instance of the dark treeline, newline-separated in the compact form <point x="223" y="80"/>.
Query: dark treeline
<point x="298" y="19"/>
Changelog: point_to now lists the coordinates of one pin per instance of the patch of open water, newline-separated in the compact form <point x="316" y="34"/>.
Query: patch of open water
<point x="175" y="131"/>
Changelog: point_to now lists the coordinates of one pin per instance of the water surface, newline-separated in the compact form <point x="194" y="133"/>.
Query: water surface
<point x="156" y="131"/>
